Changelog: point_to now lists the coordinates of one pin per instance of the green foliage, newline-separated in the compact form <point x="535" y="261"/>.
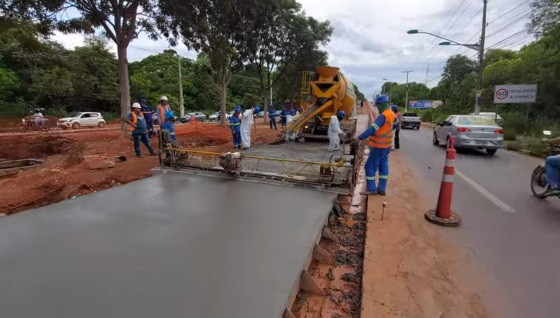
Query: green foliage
<point x="9" y="83"/>
<point x="545" y="16"/>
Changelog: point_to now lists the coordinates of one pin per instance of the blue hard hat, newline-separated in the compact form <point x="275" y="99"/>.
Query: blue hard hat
<point x="382" y="99"/>
<point x="395" y="107"/>
<point x="256" y="109"/>
<point x="143" y="101"/>
<point x="238" y="109"/>
<point x="341" y="114"/>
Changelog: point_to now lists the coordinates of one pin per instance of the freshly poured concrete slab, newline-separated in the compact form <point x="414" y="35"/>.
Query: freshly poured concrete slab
<point x="172" y="245"/>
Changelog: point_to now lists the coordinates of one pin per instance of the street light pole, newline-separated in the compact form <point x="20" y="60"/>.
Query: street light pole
<point x="478" y="100"/>
<point x="406" y="100"/>
<point x="181" y="100"/>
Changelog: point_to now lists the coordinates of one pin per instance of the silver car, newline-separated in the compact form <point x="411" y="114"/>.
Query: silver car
<point x="470" y="131"/>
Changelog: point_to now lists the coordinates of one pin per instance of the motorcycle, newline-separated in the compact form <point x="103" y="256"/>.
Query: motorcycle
<point x="539" y="183"/>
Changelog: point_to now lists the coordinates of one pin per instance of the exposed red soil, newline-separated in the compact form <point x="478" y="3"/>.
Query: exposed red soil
<point x="64" y="174"/>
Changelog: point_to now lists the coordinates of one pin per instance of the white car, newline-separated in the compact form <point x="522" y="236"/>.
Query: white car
<point x="82" y="119"/>
<point x="214" y="116"/>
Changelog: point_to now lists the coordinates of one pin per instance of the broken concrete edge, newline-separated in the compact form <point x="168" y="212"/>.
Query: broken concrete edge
<point x="366" y="219"/>
<point x="309" y="284"/>
<point x="322" y="255"/>
<point x="288" y="314"/>
<point x="453" y="221"/>
<point x="298" y="281"/>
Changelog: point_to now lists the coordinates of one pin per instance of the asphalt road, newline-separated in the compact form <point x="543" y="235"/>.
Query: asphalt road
<point x="512" y="236"/>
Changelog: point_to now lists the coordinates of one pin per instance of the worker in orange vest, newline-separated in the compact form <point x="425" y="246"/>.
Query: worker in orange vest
<point x="139" y="129"/>
<point x="380" y="138"/>
<point x="161" y="109"/>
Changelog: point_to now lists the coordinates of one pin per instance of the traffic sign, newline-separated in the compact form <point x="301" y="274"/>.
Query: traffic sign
<point x="515" y="94"/>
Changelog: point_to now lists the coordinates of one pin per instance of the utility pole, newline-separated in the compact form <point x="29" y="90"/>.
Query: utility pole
<point x="478" y="100"/>
<point x="406" y="100"/>
<point x="181" y="101"/>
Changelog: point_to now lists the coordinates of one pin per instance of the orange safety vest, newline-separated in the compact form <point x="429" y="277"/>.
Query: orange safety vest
<point x="383" y="137"/>
<point x="161" y="112"/>
<point x="135" y="120"/>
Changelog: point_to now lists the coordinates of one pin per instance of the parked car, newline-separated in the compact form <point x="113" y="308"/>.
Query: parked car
<point x="214" y="116"/>
<point x="497" y="118"/>
<point x="228" y="115"/>
<point x="469" y="131"/>
<point x="186" y="118"/>
<point x="82" y="119"/>
<point x="198" y="116"/>
<point x="410" y="120"/>
<point x="260" y="114"/>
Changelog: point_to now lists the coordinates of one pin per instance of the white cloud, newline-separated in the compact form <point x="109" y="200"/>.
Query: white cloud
<point x="370" y="42"/>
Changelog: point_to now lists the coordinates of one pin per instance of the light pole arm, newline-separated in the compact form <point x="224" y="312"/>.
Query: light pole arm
<point x="437" y="36"/>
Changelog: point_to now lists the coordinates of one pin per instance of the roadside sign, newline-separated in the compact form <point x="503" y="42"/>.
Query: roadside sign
<point x="420" y="104"/>
<point x="515" y="94"/>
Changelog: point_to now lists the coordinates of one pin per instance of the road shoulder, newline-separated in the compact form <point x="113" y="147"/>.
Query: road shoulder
<point x="410" y="270"/>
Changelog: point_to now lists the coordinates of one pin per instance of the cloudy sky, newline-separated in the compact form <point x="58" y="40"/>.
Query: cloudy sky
<point x="370" y="42"/>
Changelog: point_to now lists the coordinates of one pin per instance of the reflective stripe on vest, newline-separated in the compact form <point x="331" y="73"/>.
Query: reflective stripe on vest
<point x="383" y="137"/>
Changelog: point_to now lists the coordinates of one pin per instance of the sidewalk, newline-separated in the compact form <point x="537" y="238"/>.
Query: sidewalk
<point x="409" y="268"/>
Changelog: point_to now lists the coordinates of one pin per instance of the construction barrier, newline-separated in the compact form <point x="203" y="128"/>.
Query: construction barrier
<point x="443" y="215"/>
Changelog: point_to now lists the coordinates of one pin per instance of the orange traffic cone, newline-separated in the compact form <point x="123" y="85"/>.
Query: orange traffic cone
<point x="443" y="215"/>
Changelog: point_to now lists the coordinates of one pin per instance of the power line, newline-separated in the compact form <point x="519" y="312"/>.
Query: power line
<point x="508" y="12"/>
<point x="516" y="34"/>
<point x="515" y="21"/>
<point x="449" y="29"/>
<point x="425" y="51"/>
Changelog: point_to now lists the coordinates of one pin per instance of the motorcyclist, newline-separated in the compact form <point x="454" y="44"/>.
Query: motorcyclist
<point x="552" y="168"/>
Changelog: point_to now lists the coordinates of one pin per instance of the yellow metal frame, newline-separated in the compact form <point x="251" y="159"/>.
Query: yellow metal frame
<point x="286" y="171"/>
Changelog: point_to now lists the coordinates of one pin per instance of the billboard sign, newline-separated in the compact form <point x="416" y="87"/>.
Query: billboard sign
<point x="420" y="104"/>
<point x="515" y="94"/>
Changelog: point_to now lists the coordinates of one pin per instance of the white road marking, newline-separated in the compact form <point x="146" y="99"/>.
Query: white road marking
<point x="499" y="203"/>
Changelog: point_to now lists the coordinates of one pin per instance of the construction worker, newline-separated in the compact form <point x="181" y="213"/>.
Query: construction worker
<point x="334" y="131"/>
<point x="246" y="126"/>
<point x="138" y="129"/>
<point x="162" y="107"/>
<point x="169" y="124"/>
<point x="396" y="140"/>
<point x="380" y="135"/>
<point x="148" y="112"/>
<point x="284" y="117"/>
<point x="272" y="117"/>
<point x="235" y="124"/>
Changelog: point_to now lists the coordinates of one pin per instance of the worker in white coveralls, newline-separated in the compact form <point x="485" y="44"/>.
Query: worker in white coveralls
<point x="246" y="126"/>
<point x="334" y="131"/>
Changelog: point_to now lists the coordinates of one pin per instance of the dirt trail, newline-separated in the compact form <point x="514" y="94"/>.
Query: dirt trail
<point x="66" y="174"/>
<point x="409" y="268"/>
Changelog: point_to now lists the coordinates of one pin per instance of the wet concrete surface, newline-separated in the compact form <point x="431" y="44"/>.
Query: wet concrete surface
<point x="518" y="249"/>
<point x="172" y="245"/>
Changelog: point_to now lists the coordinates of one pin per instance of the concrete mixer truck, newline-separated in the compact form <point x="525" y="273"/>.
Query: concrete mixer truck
<point x="330" y="92"/>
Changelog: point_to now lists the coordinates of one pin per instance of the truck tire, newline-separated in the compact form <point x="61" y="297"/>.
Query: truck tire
<point x="75" y="126"/>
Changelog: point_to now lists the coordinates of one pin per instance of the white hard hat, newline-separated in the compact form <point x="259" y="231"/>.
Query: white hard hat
<point x="164" y="98"/>
<point x="136" y="105"/>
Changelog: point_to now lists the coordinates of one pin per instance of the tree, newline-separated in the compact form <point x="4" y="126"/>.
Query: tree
<point x="220" y="29"/>
<point x="287" y="34"/>
<point x="494" y="55"/>
<point x="545" y="17"/>
<point x="359" y="95"/>
<point x="289" y="85"/>
<point x="120" y="20"/>
<point x="457" y="67"/>
<point x="9" y="82"/>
